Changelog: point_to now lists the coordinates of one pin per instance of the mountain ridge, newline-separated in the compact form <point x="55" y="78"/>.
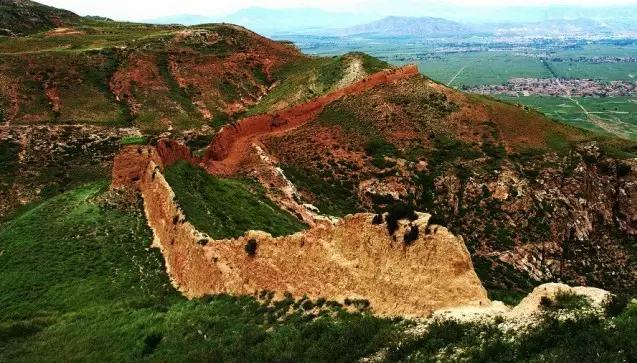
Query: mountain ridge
<point x="25" y="17"/>
<point x="408" y="26"/>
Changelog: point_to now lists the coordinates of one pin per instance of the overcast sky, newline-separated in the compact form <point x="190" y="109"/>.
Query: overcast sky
<point x="146" y="9"/>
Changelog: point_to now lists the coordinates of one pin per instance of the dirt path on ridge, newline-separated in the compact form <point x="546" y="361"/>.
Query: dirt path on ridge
<point x="235" y="141"/>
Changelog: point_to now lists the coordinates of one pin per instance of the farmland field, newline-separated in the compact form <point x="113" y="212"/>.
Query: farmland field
<point x="474" y="69"/>
<point x="616" y="115"/>
<point x="602" y="71"/>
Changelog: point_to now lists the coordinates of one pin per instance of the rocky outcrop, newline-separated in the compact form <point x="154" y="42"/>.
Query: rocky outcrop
<point x="532" y="303"/>
<point x="352" y="258"/>
<point x="41" y="161"/>
<point x="533" y="307"/>
<point x="566" y="218"/>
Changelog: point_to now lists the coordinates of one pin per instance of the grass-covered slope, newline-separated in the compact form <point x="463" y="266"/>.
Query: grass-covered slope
<point x="78" y="280"/>
<point x="305" y="79"/>
<point x="225" y="208"/>
<point x="79" y="283"/>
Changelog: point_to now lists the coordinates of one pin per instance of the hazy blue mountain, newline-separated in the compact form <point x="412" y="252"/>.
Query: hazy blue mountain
<point x="431" y="21"/>
<point x="408" y="26"/>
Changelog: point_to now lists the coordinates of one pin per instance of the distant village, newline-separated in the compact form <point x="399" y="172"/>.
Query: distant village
<point x="558" y="87"/>
<point x="596" y="59"/>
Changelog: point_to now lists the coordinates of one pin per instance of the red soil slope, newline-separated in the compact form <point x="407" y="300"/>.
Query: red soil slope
<point x="229" y="147"/>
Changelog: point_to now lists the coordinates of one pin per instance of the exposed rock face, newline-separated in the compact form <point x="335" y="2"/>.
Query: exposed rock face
<point x="352" y="258"/>
<point x="39" y="161"/>
<point x="571" y="220"/>
<point x="530" y="308"/>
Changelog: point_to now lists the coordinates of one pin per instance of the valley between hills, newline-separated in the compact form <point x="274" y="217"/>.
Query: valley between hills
<point x="203" y="193"/>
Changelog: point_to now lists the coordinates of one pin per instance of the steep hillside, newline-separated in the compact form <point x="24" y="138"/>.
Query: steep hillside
<point x="536" y="200"/>
<point x="158" y="78"/>
<point x="20" y="17"/>
<point x="110" y="80"/>
<point x="145" y="76"/>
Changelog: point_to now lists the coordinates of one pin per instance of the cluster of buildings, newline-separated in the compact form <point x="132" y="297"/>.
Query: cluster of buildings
<point x="595" y="59"/>
<point x="559" y="87"/>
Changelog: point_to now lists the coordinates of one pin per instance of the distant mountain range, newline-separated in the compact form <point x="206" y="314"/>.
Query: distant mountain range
<point x="407" y="26"/>
<point x="269" y="21"/>
<point x="437" y="27"/>
<point x="319" y="22"/>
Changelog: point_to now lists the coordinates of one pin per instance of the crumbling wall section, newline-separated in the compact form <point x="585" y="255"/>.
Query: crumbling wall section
<point x="352" y="258"/>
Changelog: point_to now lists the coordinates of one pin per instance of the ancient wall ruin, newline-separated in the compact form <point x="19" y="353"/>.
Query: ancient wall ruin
<point x="352" y="258"/>
<point x="254" y="126"/>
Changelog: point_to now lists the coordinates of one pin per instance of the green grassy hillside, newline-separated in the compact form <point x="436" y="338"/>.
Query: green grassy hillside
<point x="25" y="17"/>
<point x="80" y="284"/>
<point x="225" y="208"/>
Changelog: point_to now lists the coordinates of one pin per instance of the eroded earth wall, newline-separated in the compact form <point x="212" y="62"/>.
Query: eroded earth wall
<point x="352" y="258"/>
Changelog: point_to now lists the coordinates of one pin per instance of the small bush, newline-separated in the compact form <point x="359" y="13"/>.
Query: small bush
<point x="361" y="304"/>
<point x="617" y="305"/>
<point x="133" y="140"/>
<point x="546" y="302"/>
<point x="307" y="305"/>
<point x="150" y="343"/>
<point x="564" y="301"/>
<point x="411" y="235"/>
<point x="398" y="212"/>
<point x="251" y="247"/>
<point x="378" y="149"/>
<point x="378" y="219"/>
<point x="623" y="170"/>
